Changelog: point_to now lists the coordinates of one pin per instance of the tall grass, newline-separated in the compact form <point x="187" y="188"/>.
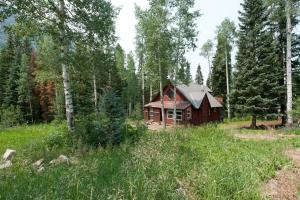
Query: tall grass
<point x="196" y="163"/>
<point x="19" y="137"/>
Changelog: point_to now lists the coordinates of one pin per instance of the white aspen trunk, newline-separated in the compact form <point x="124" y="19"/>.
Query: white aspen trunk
<point x="175" y="101"/>
<point x="227" y="84"/>
<point x="65" y="73"/>
<point x="161" y="94"/>
<point x="208" y="58"/>
<point x="143" y="82"/>
<point x="151" y="92"/>
<point x="289" y="64"/>
<point x="95" y="93"/>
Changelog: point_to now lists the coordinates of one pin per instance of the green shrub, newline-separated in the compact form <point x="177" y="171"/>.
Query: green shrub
<point x="105" y="128"/>
<point x="11" y="116"/>
<point x="296" y="110"/>
<point x="132" y="133"/>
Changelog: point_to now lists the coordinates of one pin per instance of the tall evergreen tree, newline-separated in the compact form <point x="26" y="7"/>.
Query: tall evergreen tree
<point x="7" y="57"/>
<point x="218" y="74"/>
<point x="255" y="59"/>
<point x="24" y="89"/>
<point x="188" y="75"/>
<point x="199" y="76"/>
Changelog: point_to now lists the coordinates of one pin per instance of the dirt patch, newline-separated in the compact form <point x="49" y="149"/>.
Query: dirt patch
<point x="283" y="186"/>
<point x="286" y="181"/>
<point x="267" y="137"/>
<point x="157" y="127"/>
<point x="294" y="154"/>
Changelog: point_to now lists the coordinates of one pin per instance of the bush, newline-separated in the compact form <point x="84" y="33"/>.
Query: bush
<point x="106" y="127"/>
<point x="132" y="133"/>
<point x="11" y="116"/>
<point x="296" y="110"/>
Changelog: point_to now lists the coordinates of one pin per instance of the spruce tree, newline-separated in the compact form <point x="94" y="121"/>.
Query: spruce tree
<point x="199" y="76"/>
<point x="218" y="73"/>
<point x="256" y="87"/>
<point x="188" y="75"/>
<point x="6" y="63"/>
<point x="24" y="89"/>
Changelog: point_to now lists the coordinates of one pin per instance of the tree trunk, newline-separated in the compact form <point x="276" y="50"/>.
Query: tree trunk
<point x="129" y="109"/>
<point x="175" y="101"/>
<point x="65" y="73"/>
<point x="289" y="64"/>
<point x="95" y="94"/>
<point x="143" y="85"/>
<point x="31" y="110"/>
<point x="209" y="75"/>
<point x="161" y="94"/>
<point x="227" y="84"/>
<point x="151" y="92"/>
<point x="253" y="123"/>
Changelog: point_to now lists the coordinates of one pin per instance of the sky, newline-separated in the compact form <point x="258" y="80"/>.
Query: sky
<point x="213" y="13"/>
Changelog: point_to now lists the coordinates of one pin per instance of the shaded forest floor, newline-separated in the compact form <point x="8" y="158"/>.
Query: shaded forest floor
<point x="207" y="162"/>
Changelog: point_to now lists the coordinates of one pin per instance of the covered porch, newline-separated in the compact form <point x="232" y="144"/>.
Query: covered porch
<point x="152" y="112"/>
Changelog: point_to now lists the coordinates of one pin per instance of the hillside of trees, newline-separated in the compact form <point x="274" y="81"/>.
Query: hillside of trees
<point x="63" y="62"/>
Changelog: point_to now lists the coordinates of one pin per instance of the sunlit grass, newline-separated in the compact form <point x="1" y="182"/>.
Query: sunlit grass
<point x="196" y="163"/>
<point x="18" y="137"/>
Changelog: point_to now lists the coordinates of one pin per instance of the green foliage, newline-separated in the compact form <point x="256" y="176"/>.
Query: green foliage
<point x="11" y="116"/>
<point x="206" y="52"/>
<point x="103" y="129"/>
<point x="199" y="76"/>
<point x="202" y="163"/>
<point x="7" y="56"/>
<point x="24" y="89"/>
<point x="225" y="39"/>
<point x="296" y="110"/>
<point x="112" y="110"/>
<point x="253" y="80"/>
<point x="184" y="73"/>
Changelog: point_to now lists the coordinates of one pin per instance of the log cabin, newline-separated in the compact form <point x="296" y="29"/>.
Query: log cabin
<point x="195" y="105"/>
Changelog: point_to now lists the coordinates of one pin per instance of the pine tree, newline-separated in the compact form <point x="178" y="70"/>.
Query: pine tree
<point x="199" y="76"/>
<point x="188" y="75"/>
<point x="7" y="57"/>
<point x="296" y="64"/>
<point x="256" y="90"/>
<point x="218" y="73"/>
<point x="24" y="89"/>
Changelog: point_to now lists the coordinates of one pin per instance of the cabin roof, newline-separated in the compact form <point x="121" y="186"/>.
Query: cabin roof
<point x="196" y="93"/>
<point x="193" y="93"/>
<point x="169" y="105"/>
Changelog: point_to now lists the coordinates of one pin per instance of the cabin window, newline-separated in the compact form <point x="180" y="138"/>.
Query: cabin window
<point x="151" y="112"/>
<point x="178" y="114"/>
<point x="189" y="114"/>
<point x="215" y="110"/>
<point x="170" y="94"/>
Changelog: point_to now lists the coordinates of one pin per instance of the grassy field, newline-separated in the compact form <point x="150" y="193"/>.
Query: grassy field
<point x="196" y="163"/>
<point x="18" y="138"/>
